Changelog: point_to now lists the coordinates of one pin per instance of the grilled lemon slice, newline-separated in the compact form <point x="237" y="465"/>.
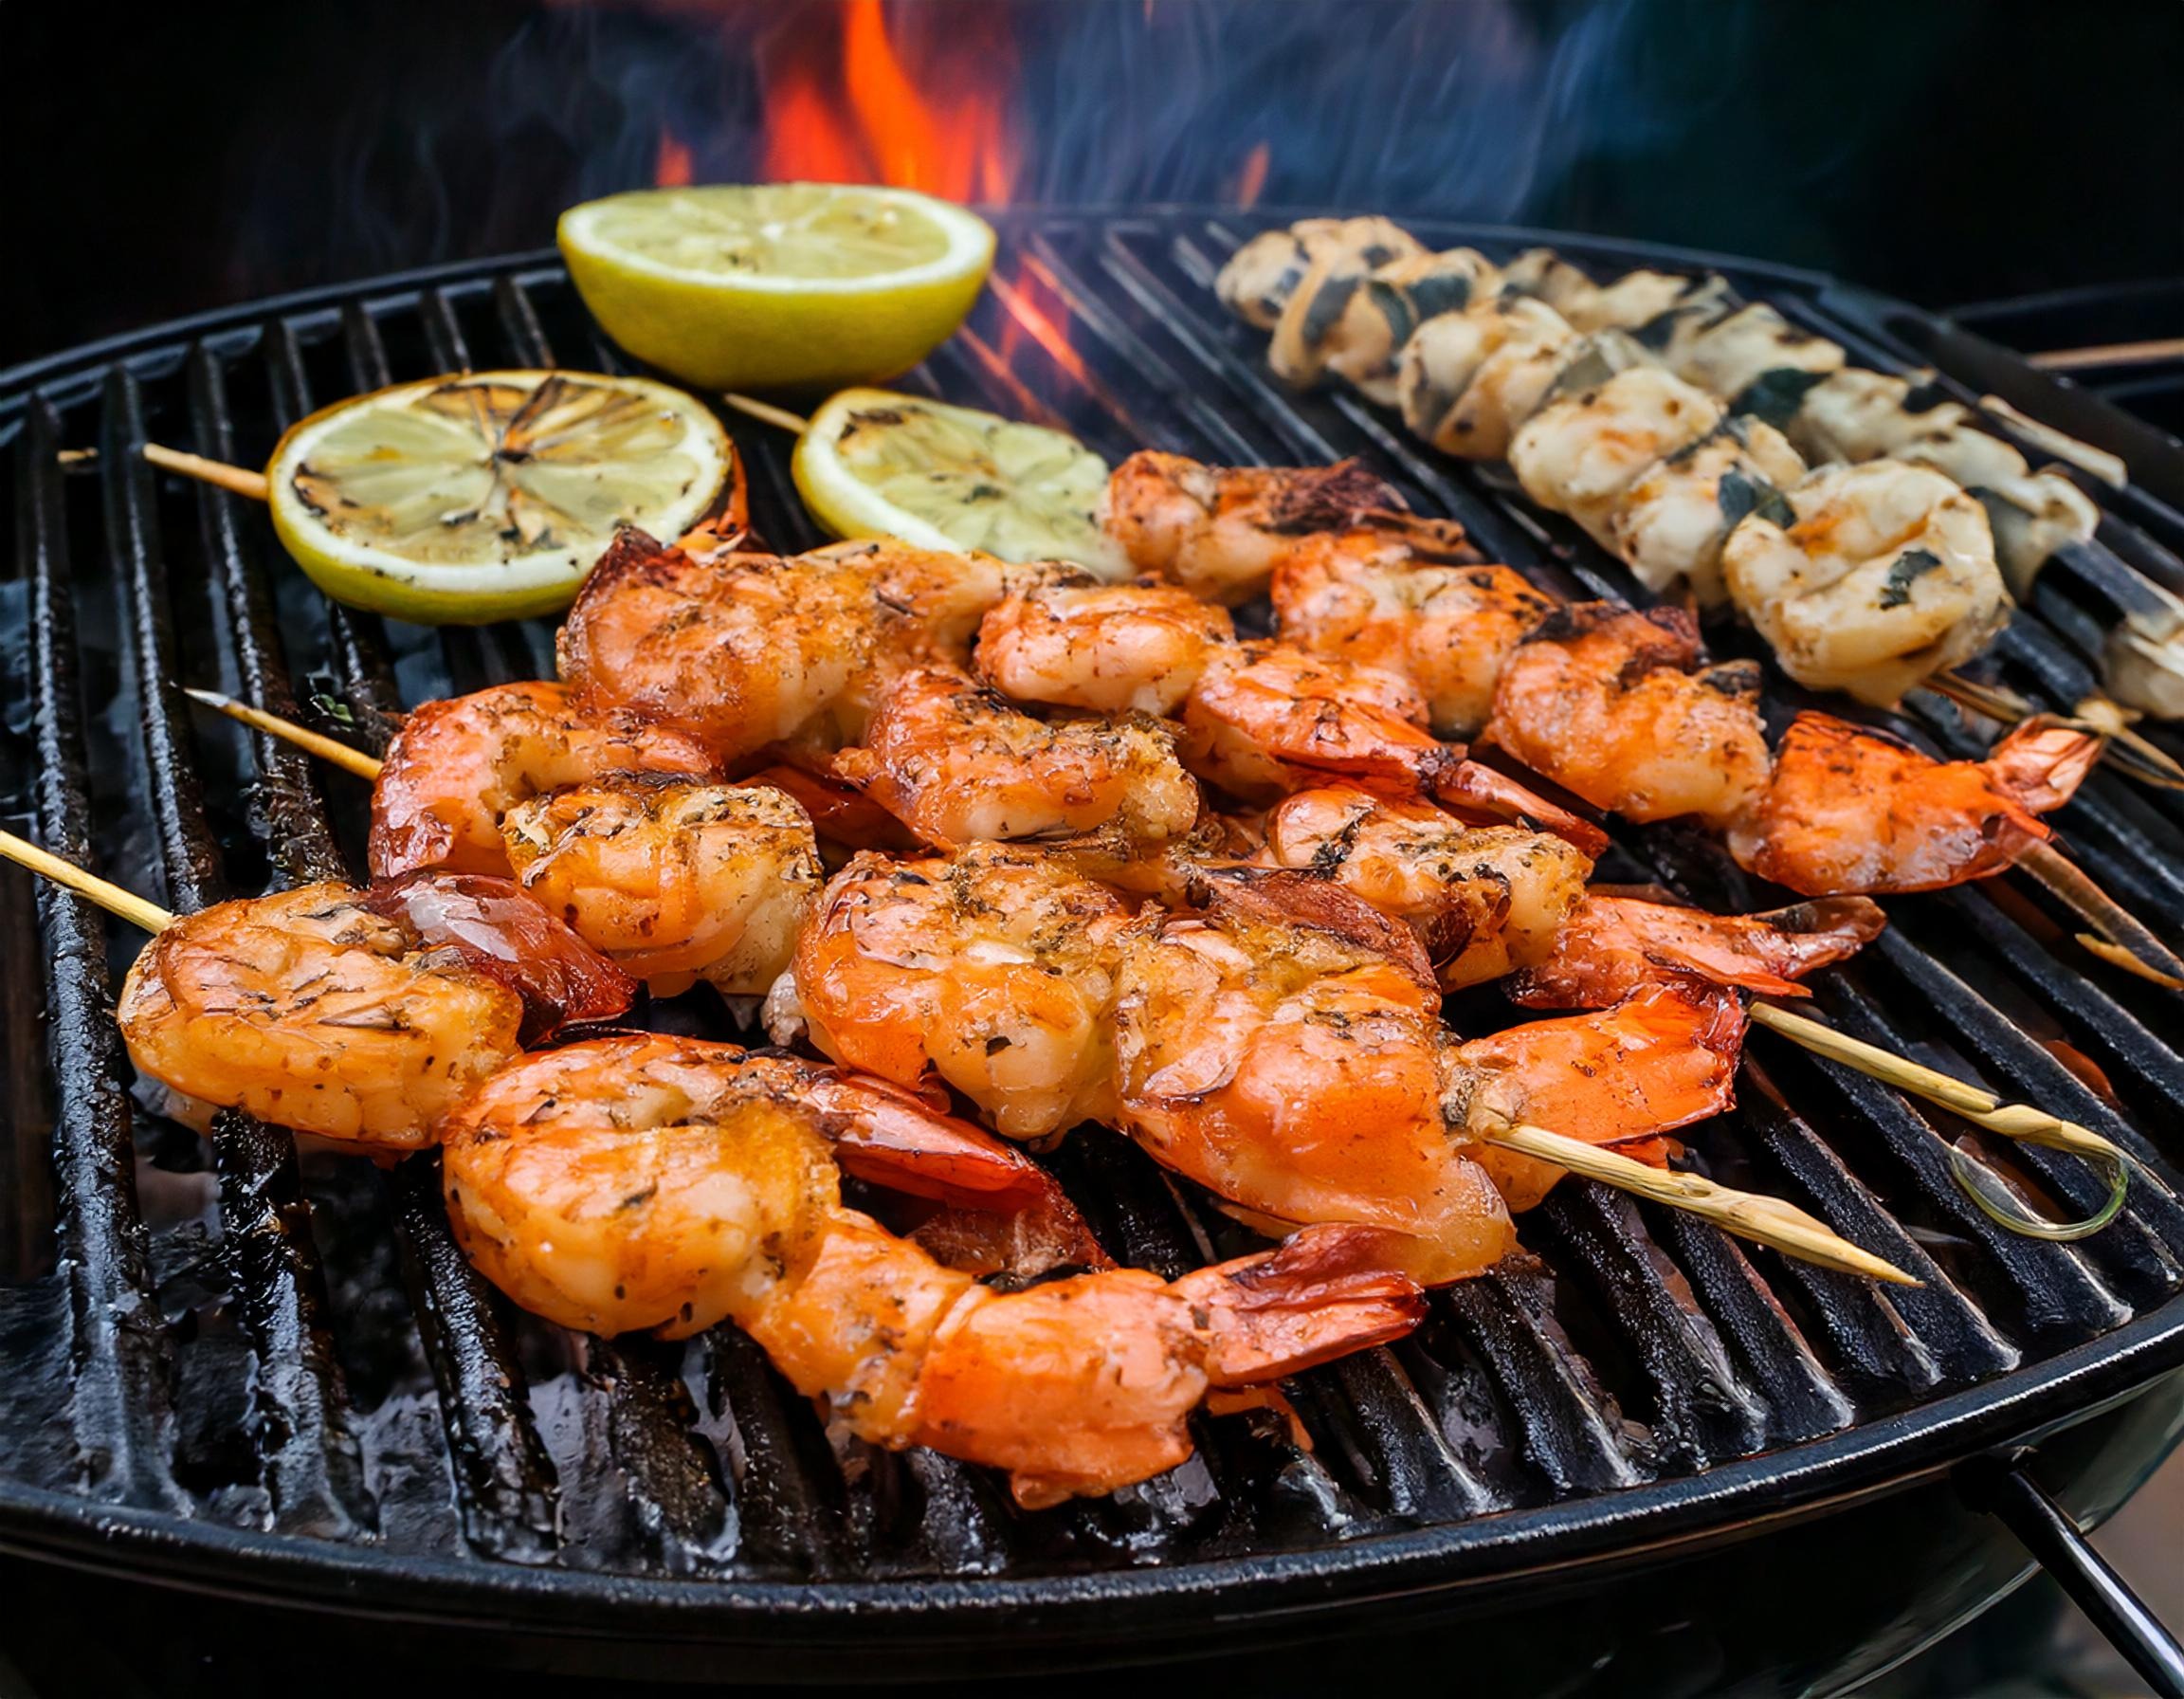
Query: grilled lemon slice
<point x="875" y="463"/>
<point x="740" y="287"/>
<point x="489" y="495"/>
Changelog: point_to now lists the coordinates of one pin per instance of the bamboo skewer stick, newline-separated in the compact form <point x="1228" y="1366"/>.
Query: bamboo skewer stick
<point x="2108" y="354"/>
<point x="1750" y="1215"/>
<point x="2123" y="749"/>
<point x="2021" y="1122"/>
<point x="2119" y="937"/>
<point x="109" y="896"/>
<point x="794" y="424"/>
<point x="240" y="479"/>
<point x="1972" y="1103"/>
<point x="317" y="743"/>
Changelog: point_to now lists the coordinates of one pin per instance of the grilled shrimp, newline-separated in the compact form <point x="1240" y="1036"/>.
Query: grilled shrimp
<point x="957" y="764"/>
<point x="1483" y="900"/>
<point x="1663" y="1059"/>
<point x="668" y="1183"/>
<point x="1875" y="578"/>
<point x="1071" y="641"/>
<point x="1392" y="598"/>
<point x="1218" y="531"/>
<point x="1580" y="454"/>
<point x="1611" y="946"/>
<point x="1283" y="1050"/>
<point x="1267" y="719"/>
<point x="357" y="1015"/>
<point x="994" y="967"/>
<point x="1606" y="703"/>
<point x="457" y="766"/>
<point x="674" y="879"/>
<point x="743" y="651"/>
<point x="1854" y="809"/>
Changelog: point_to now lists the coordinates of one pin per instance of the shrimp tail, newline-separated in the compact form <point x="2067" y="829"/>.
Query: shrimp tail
<point x="1472" y="790"/>
<point x="501" y="933"/>
<point x="1611" y="945"/>
<point x="2040" y="765"/>
<point x="1326" y="1292"/>
<point x="1001" y="1211"/>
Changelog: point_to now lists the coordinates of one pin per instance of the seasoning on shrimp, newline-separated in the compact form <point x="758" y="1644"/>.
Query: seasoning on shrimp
<point x="357" y="1015"/>
<point x="669" y="1183"/>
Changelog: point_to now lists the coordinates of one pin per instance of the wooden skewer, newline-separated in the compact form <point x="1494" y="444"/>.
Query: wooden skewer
<point x="109" y="896"/>
<point x="1973" y="1103"/>
<point x="2121" y="748"/>
<point x="2121" y="939"/>
<point x="329" y="749"/>
<point x="240" y="479"/>
<point x="792" y="423"/>
<point x="2108" y="354"/>
<point x="1750" y="1215"/>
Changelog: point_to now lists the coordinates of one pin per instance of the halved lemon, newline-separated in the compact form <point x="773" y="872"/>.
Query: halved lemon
<point x="875" y="463"/>
<point x="754" y="286"/>
<point x="489" y="495"/>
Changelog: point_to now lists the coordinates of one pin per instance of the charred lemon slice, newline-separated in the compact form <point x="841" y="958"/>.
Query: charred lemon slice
<point x="875" y="463"/>
<point x="489" y="495"/>
<point x="753" y="286"/>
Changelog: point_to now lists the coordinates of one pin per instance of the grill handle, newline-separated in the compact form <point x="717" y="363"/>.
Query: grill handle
<point x="2004" y="1487"/>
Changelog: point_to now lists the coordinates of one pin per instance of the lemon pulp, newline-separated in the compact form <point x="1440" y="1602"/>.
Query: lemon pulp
<point x="876" y="464"/>
<point x="489" y="495"/>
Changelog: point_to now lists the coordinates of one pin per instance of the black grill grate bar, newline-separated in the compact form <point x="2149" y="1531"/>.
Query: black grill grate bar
<point x="122" y="1362"/>
<point x="505" y="1484"/>
<point x="503" y="1480"/>
<point x="285" y="810"/>
<point x="1699" y="1407"/>
<point x="1799" y="1398"/>
<point x="312" y="1466"/>
<point x="1563" y="1421"/>
<point x="444" y="336"/>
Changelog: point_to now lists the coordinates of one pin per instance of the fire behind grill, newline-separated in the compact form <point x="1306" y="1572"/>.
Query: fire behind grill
<point x="284" y="1378"/>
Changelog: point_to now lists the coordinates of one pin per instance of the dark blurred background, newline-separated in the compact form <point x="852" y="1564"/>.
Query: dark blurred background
<point x="168" y="159"/>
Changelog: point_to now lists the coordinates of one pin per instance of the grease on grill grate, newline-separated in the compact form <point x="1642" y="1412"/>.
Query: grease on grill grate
<point x="300" y="1347"/>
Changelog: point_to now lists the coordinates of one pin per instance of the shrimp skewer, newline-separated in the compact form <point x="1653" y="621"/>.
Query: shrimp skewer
<point x="1074" y="1387"/>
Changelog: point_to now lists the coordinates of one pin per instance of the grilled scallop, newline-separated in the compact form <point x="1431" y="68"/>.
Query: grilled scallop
<point x="1580" y="454"/>
<point x="1882" y="576"/>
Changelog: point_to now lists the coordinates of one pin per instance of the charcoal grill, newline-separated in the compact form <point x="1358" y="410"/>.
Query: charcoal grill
<point x="1644" y="1458"/>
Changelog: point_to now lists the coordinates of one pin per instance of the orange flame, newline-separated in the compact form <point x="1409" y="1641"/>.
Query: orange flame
<point x="1252" y="181"/>
<point x="867" y="117"/>
<point x="671" y="168"/>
